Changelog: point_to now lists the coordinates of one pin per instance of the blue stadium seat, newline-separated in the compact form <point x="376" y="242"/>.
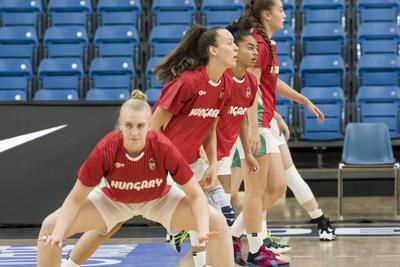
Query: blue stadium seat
<point x="380" y="104"/>
<point x="63" y="42"/>
<point x="286" y="70"/>
<point x="284" y="107"/>
<point x="171" y="12"/>
<point x="378" y="38"/>
<point x="70" y="13"/>
<point x="378" y="11"/>
<point x="330" y="100"/>
<point x="289" y="6"/>
<point x="322" y="71"/>
<point x="152" y="81"/>
<point x="56" y="95"/>
<point x="112" y="73"/>
<point x="327" y="11"/>
<point x="163" y="39"/>
<point x="107" y="95"/>
<point x="15" y="79"/>
<point x="21" y="13"/>
<point x="61" y="74"/>
<point x="117" y="41"/>
<point x="221" y="12"/>
<point x="120" y="12"/>
<point x="323" y="39"/>
<point x="153" y="95"/>
<point x="382" y="69"/>
<point x="285" y="41"/>
<point x="18" y="42"/>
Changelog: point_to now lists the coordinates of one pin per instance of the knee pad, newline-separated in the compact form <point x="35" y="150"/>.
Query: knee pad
<point x="219" y="200"/>
<point x="299" y="187"/>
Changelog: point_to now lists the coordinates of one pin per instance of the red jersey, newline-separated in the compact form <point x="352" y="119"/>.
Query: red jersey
<point x="242" y="97"/>
<point x="195" y="103"/>
<point x="134" y="180"/>
<point x="269" y="77"/>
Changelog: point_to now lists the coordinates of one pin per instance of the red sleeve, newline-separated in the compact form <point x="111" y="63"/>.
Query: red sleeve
<point x="176" y="164"/>
<point x="96" y="165"/>
<point x="263" y="57"/>
<point x="175" y="94"/>
<point x="253" y="87"/>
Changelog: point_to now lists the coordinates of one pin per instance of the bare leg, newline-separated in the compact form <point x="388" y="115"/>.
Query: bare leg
<point x="219" y="250"/>
<point x="89" y="242"/>
<point x="225" y="181"/>
<point x="236" y="181"/>
<point x="276" y="185"/>
<point x="88" y="219"/>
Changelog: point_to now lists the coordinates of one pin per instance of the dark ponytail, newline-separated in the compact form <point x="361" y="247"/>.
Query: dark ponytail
<point x="240" y="30"/>
<point x="253" y="11"/>
<point x="190" y="54"/>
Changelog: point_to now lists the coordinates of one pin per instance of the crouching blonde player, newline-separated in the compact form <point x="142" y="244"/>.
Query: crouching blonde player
<point x="135" y="161"/>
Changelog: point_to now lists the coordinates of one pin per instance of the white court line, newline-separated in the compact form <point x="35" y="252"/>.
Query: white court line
<point x="345" y="256"/>
<point x="387" y="256"/>
<point x="302" y="256"/>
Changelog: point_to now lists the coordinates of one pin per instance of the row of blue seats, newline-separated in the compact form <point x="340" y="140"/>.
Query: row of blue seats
<point x="63" y="79"/>
<point x="373" y="104"/>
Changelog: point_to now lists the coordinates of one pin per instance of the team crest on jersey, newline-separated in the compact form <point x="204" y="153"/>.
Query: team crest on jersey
<point x="248" y="92"/>
<point x="152" y="164"/>
<point x="221" y="94"/>
<point x="119" y="165"/>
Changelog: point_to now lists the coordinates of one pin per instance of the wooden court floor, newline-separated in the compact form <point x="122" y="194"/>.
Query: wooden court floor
<point x="377" y="249"/>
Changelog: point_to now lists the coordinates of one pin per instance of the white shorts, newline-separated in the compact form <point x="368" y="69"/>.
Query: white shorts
<point x="199" y="167"/>
<point x="159" y="210"/>
<point x="225" y="164"/>
<point x="268" y="143"/>
<point x="280" y="139"/>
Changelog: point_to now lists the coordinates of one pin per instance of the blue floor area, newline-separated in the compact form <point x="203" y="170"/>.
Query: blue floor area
<point x="119" y="255"/>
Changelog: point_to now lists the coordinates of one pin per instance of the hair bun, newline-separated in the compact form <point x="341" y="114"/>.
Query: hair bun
<point x="138" y="95"/>
<point x="233" y="27"/>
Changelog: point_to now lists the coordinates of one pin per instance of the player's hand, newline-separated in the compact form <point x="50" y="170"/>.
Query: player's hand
<point x="254" y="139"/>
<point x="210" y="177"/>
<point x="53" y="240"/>
<point x="252" y="163"/>
<point x="283" y="128"/>
<point x="204" y="236"/>
<point x="317" y="112"/>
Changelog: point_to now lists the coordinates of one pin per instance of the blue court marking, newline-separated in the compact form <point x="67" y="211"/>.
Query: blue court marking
<point x="118" y="255"/>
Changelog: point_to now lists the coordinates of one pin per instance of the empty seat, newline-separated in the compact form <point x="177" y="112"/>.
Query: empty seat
<point x="18" y="42"/>
<point x="330" y="100"/>
<point x="21" y="13"/>
<point x="289" y="6"/>
<point x="56" y="95"/>
<point x="327" y="11"/>
<point x="153" y="95"/>
<point x="112" y="73"/>
<point x="221" y="12"/>
<point x="70" y="13"/>
<point x="380" y="104"/>
<point x="378" y="38"/>
<point x="382" y="69"/>
<point x="322" y="70"/>
<point x="170" y="12"/>
<point x="61" y="42"/>
<point x="163" y="39"/>
<point x="61" y="74"/>
<point x="378" y="11"/>
<point x="323" y="39"/>
<point x="15" y="79"/>
<point x="120" y="12"/>
<point x="286" y="70"/>
<point x="152" y="81"/>
<point x="107" y="95"/>
<point x="285" y="41"/>
<point x="284" y="107"/>
<point x="117" y="41"/>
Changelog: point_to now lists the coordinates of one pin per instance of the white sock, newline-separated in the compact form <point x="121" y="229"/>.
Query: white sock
<point x="264" y="230"/>
<point x="315" y="213"/>
<point x="237" y="229"/>
<point x="255" y="241"/>
<point x="69" y="263"/>
<point x="199" y="258"/>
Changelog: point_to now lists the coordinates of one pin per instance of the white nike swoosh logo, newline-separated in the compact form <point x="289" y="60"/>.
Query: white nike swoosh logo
<point x="9" y="143"/>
